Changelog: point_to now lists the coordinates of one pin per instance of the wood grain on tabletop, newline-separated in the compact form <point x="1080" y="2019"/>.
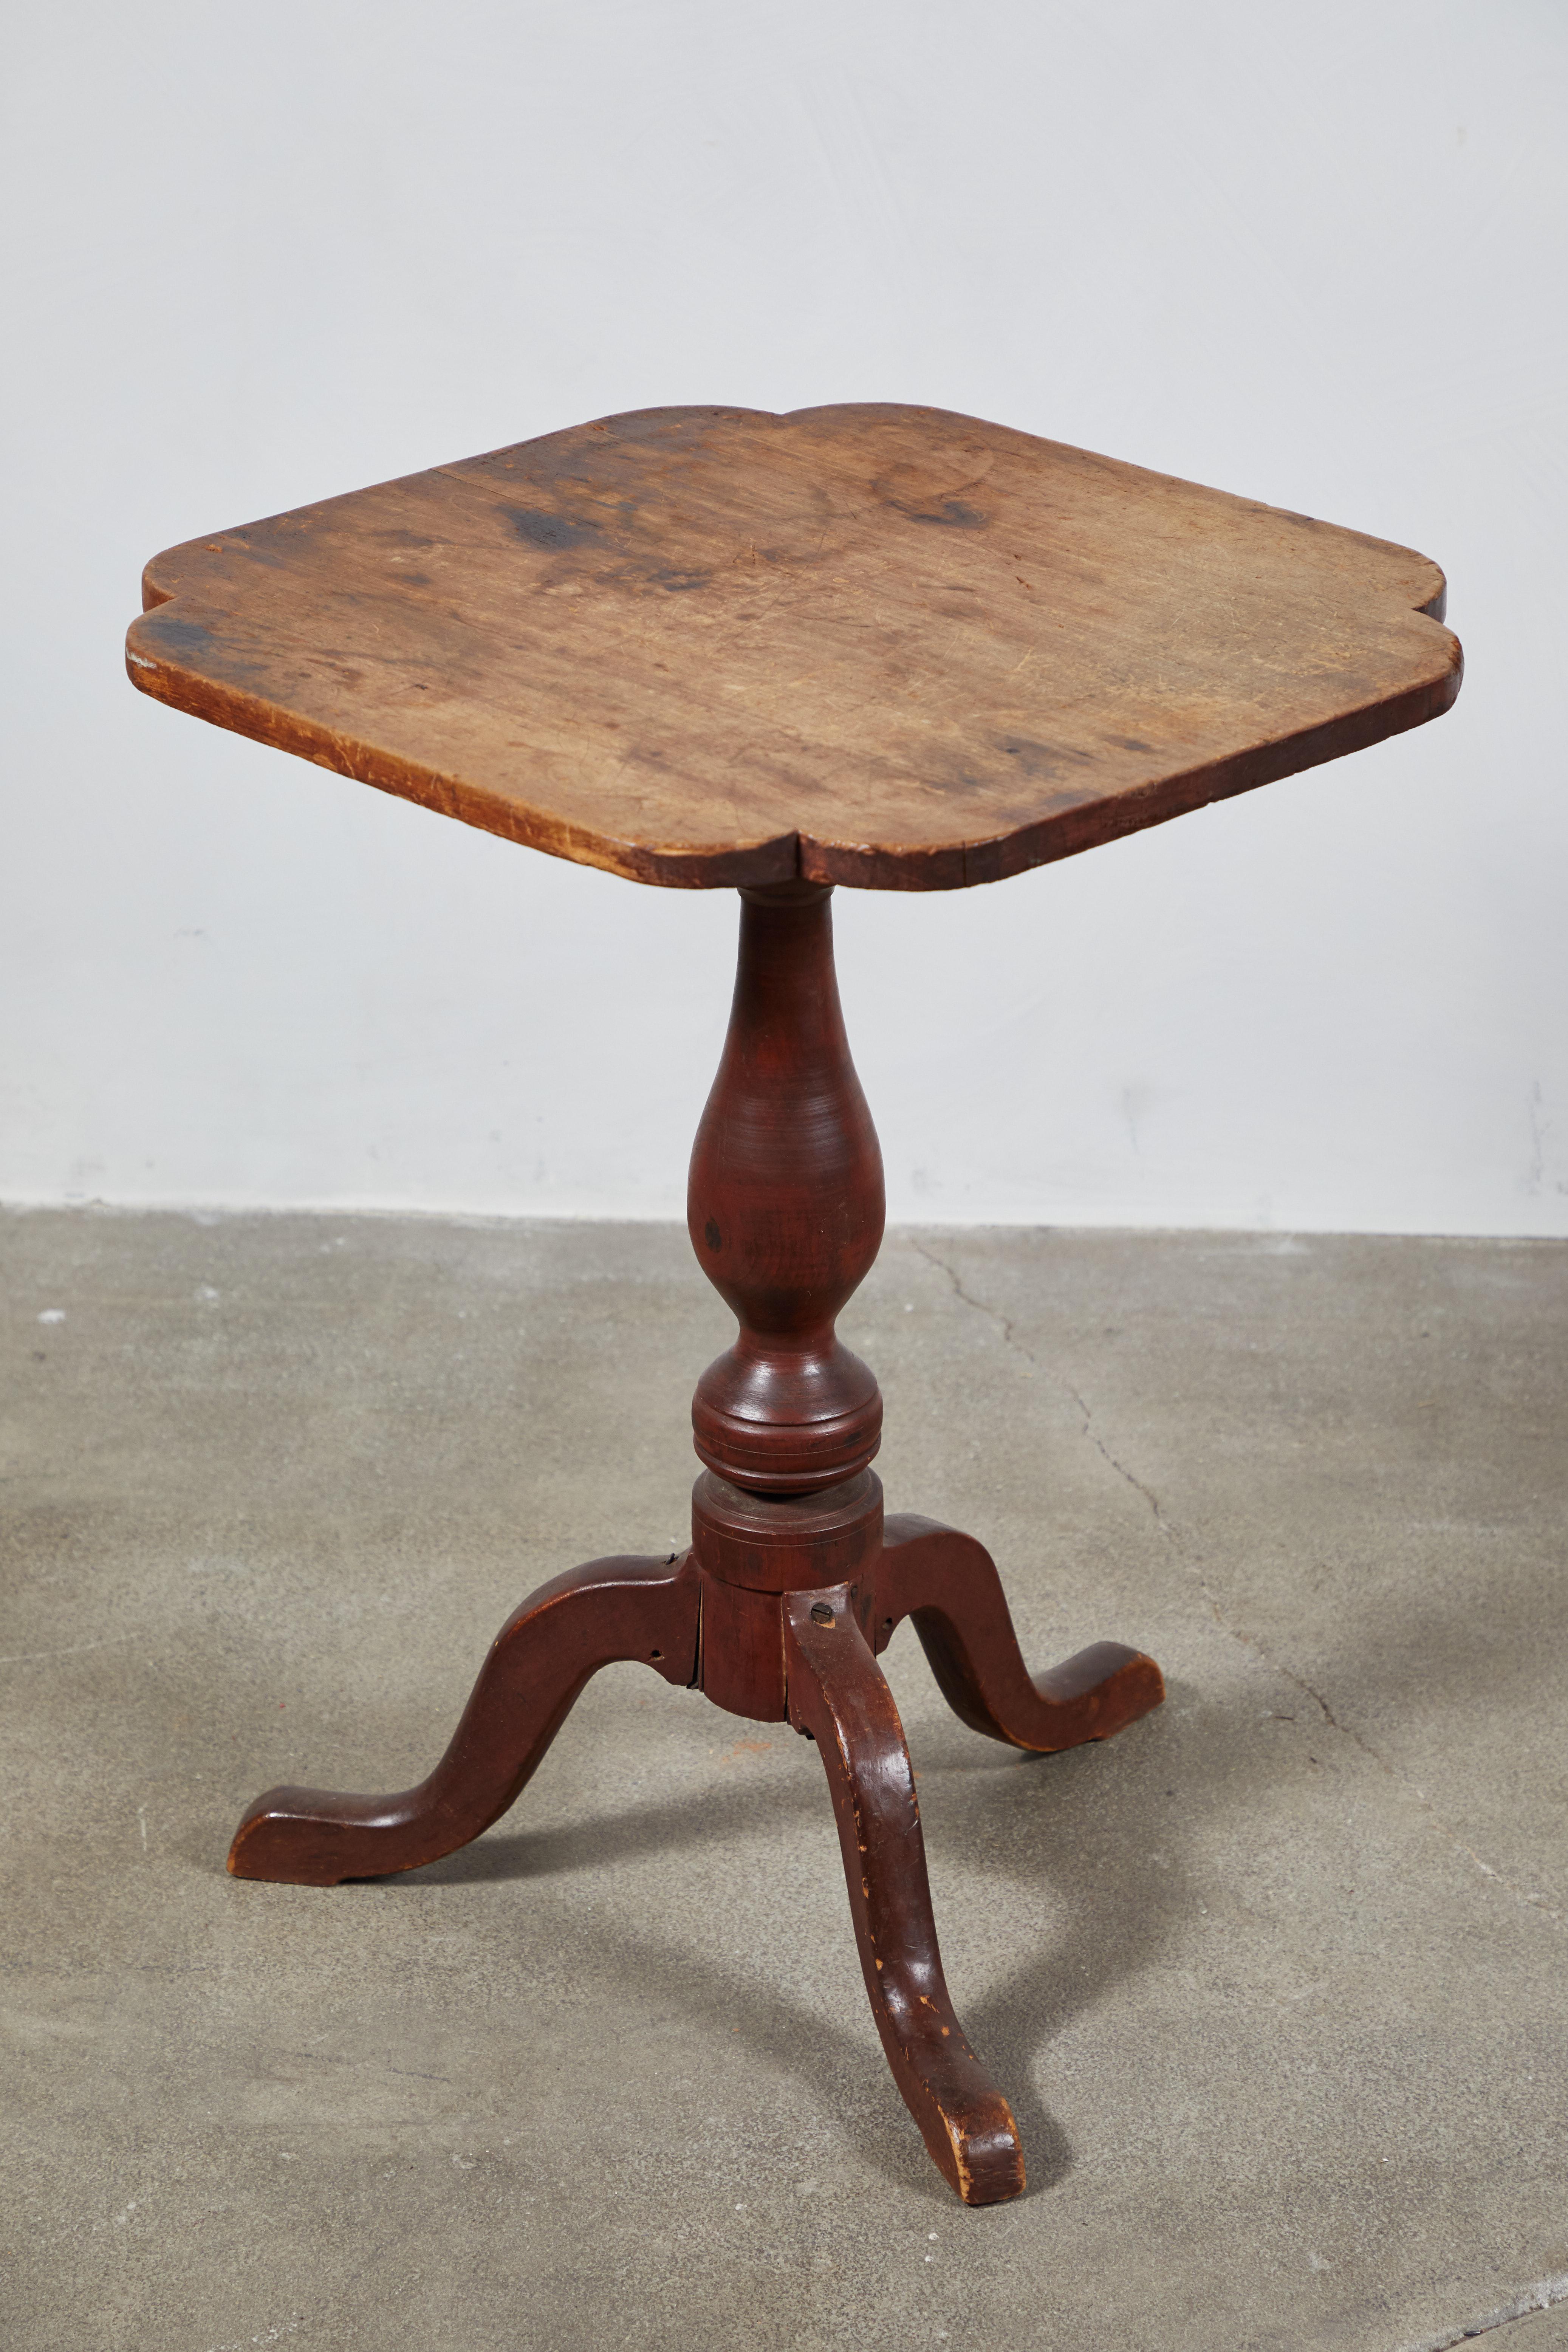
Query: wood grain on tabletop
<point x="875" y="644"/>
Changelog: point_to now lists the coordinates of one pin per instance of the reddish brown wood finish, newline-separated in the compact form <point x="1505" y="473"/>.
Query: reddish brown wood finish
<point x="784" y="1208"/>
<point x="781" y="1543"/>
<point x="753" y="1548"/>
<point x="948" y="1583"/>
<point x="837" y="1693"/>
<point x="538" y="1664"/>
<point x="793" y="1579"/>
<point x="742" y="1667"/>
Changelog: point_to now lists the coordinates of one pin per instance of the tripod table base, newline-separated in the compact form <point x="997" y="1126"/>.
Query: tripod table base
<point x="830" y="1581"/>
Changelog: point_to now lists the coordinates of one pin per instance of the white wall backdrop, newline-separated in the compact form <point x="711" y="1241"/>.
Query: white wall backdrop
<point x="261" y="254"/>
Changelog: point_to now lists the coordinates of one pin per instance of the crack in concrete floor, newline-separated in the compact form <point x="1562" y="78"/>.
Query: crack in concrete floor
<point x="1545" y="2296"/>
<point x="1182" y="1552"/>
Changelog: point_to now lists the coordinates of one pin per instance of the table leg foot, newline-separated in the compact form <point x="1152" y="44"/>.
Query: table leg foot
<point x="837" y="1693"/>
<point x="948" y="1584"/>
<point x="540" y="1661"/>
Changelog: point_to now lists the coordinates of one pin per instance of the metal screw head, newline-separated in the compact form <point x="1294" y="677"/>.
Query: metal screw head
<point x="821" y="1614"/>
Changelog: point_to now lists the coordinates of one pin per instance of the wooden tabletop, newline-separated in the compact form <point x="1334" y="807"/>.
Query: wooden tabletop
<point x="881" y="646"/>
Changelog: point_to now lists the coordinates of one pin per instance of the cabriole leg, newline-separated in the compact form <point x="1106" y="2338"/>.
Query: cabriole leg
<point x="611" y="1609"/>
<point x="948" y="1583"/>
<point x="837" y="1693"/>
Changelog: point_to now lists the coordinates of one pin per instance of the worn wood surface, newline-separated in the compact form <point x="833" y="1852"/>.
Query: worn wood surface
<point x="876" y="645"/>
<point x="838" y="1694"/>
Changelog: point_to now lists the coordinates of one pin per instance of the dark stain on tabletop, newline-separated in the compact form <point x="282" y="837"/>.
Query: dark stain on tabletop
<point x="952" y="513"/>
<point x="537" y="528"/>
<point x="177" y="636"/>
<point x="1041" y="762"/>
<point x="190" y="645"/>
<point x="663" y="576"/>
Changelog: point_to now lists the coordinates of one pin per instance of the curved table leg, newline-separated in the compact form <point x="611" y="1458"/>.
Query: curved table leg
<point x="837" y="1693"/>
<point x="948" y="1583"/>
<point x="543" y="1654"/>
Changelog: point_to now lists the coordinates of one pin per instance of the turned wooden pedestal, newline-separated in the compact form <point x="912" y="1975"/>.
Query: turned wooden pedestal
<point x="704" y="648"/>
<point x="794" y="1579"/>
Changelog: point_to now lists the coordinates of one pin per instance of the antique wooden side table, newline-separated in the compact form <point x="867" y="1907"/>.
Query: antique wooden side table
<point x="708" y="647"/>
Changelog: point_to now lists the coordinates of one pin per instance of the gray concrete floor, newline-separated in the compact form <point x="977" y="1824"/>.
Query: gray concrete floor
<point x="1275" y="1980"/>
